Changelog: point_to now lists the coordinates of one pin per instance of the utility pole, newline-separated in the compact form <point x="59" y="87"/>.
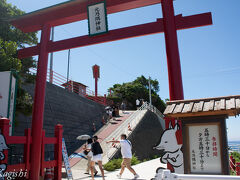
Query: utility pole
<point x="51" y="60"/>
<point x="150" y="93"/>
<point x="68" y="65"/>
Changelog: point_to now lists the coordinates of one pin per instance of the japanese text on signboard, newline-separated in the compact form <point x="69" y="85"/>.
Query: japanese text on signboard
<point x="204" y="149"/>
<point x="97" y="20"/>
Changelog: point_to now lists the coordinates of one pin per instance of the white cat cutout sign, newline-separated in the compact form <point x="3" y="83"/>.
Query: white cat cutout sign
<point x="172" y="150"/>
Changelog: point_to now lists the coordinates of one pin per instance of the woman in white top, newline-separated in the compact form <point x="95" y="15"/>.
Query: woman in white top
<point x="89" y="154"/>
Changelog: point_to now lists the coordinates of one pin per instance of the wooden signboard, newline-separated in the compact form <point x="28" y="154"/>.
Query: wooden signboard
<point x="97" y="19"/>
<point x="205" y="148"/>
<point x="205" y="145"/>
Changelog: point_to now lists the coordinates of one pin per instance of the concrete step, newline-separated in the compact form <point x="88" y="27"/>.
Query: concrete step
<point x="103" y="133"/>
<point x="109" y="151"/>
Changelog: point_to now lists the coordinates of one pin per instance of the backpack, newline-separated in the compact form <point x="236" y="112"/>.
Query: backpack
<point x="96" y="148"/>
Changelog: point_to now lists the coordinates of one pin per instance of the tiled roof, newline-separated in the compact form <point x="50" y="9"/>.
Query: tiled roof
<point x="228" y="105"/>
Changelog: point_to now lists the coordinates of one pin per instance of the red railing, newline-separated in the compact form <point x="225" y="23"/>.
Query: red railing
<point x="27" y="140"/>
<point x="59" y="80"/>
<point x="235" y="167"/>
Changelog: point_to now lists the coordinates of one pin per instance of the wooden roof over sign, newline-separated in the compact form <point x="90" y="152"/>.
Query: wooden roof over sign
<point x="228" y="105"/>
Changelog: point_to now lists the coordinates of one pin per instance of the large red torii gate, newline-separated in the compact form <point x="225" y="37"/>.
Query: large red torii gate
<point x="76" y="10"/>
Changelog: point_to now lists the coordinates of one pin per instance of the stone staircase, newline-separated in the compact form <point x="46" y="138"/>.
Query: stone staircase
<point x="132" y="120"/>
<point x="103" y="133"/>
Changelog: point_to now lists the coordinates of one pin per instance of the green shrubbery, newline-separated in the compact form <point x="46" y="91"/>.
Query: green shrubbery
<point x="236" y="156"/>
<point x="113" y="164"/>
<point x="116" y="163"/>
<point x="135" y="160"/>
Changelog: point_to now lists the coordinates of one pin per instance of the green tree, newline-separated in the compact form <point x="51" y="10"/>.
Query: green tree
<point x="138" y="89"/>
<point x="11" y="39"/>
<point x="10" y="33"/>
<point x="8" y="58"/>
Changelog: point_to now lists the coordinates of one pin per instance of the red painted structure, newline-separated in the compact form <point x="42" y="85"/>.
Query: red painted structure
<point x="38" y="106"/>
<point x="78" y="88"/>
<point x="75" y="87"/>
<point x="232" y="163"/>
<point x="119" y="34"/>
<point x="234" y="167"/>
<point x="77" y="10"/>
<point x="28" y="141"/>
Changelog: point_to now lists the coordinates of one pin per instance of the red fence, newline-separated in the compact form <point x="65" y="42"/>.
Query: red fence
<point x="235" y="167"/>
<point x="27" y="140"/>
<point x="59" y="80"/>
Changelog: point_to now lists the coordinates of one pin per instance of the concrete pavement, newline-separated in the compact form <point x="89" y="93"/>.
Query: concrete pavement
<point x="146" y="171"/>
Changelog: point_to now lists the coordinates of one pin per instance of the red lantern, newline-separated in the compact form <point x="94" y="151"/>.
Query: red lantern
<point x="96" y="71"/>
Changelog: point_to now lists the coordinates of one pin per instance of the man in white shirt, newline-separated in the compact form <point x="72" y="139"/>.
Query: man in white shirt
<point x="137" y="103"/>
<point x="126" y="151"/>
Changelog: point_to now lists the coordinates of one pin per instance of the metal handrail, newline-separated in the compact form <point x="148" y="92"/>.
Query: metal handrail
<point x="133" y="116"/>
<point x="59" y="80"/>
<point x="158" y="113"/>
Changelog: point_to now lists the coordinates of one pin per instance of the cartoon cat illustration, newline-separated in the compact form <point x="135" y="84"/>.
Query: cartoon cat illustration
<point x="172" y="150"/>
<point x="3" y="146"/>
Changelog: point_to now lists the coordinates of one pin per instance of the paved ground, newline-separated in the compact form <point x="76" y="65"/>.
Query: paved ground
<point x="145" y="170"/>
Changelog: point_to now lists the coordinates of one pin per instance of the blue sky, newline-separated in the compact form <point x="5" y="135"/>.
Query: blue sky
<point x="210" y="57"/>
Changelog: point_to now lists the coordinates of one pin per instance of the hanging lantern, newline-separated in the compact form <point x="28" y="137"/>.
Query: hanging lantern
<point x="96" y="71"/>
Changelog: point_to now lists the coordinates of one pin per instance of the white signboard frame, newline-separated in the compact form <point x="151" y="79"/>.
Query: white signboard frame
<point x="203" y="147"/>
<point x="8" y="92"/>
<point x="97" y="19"/>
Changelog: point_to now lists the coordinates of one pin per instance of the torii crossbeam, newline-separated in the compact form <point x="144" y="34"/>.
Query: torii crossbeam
<point x="119" y="34"/>
<point x="76" y="10"/>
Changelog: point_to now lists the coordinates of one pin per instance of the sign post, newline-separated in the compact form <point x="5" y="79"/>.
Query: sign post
<point x="66" y="160"/>
<point x="205" y="148"/>
<point x="97" y="19"/>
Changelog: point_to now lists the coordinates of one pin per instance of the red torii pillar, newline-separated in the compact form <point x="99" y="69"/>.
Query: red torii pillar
<point x="38" y="106"/>
<point x="173" y="58"/>
<point x="173" y="62"/>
